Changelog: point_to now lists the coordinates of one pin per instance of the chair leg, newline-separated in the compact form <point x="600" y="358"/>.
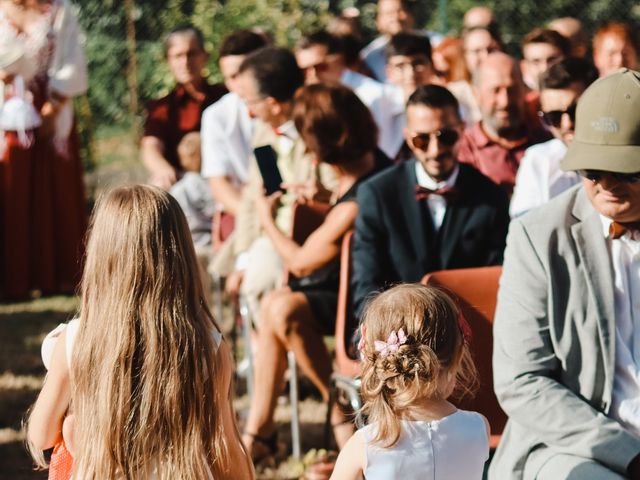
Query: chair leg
<point x="295" y="413"/>
<point x="218" y="293"/>
<point x="326" y="436"/>
<point x="245" y="315"/>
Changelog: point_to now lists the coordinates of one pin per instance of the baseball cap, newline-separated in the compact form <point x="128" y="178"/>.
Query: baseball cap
<point x="607" y="132"/>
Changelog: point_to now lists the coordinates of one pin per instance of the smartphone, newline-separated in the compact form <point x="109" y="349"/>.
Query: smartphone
<point x="267" y="163"/>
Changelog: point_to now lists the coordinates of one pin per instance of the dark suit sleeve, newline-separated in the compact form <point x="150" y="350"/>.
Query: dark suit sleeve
<point x="498" y="233"/>
<point x="369" y="250"/>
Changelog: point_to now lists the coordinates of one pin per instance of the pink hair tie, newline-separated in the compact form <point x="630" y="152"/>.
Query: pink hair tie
<point x="392" y="345"/>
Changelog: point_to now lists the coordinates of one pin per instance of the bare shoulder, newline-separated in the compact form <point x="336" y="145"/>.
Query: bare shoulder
<point x="352" y="459"/>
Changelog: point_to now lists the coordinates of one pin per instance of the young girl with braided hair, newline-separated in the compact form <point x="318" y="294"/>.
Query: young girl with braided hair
<point x="415" y="355"/>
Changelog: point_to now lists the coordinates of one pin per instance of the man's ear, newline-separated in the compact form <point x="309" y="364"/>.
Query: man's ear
<point x="275" y="107"/>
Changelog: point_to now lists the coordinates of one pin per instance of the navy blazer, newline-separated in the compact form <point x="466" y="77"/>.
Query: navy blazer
<point x="395" y="240"/>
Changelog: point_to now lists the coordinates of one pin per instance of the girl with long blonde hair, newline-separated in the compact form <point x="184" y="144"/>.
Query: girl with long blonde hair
<point x="414" y="355"/>
<point x="144" y="369"/>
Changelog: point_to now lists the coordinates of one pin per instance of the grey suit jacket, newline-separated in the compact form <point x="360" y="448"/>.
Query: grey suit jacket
<point x="554" y="339"/>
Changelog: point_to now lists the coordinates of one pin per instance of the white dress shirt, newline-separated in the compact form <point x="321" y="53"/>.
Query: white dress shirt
<point x="226" y="133"/>
<point x="539" y="177"/>
<point x="625" y="257"/>
<point x="437" y="203"/>
<point x="383" y="103"/>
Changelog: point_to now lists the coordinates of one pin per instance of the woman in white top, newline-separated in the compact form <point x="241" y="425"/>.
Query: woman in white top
<point x="414" y="355"/>
<point x="148" y="378"/>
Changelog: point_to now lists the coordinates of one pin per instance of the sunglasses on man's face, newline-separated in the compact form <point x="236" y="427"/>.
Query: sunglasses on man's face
<point x="596" y="176"/>
<point x="446" y="136"/>
<point x="553" y="118"/>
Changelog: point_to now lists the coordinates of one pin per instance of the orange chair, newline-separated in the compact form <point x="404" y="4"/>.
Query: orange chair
<point x="222" y="226"/>
<point x="345" y="377"/>
<point x="476" y="290"/>
<point x="345" y="323"/>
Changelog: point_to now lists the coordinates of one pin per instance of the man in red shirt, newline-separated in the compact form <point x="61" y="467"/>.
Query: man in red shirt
<point x="171" y="117"/>
<point x="496" y="144"/>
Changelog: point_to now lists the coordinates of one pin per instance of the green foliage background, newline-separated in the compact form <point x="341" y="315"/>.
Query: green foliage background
<point x="104" y="23"/>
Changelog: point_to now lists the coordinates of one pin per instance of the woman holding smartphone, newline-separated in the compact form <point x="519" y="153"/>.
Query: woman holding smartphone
<point x="338" y="129"/>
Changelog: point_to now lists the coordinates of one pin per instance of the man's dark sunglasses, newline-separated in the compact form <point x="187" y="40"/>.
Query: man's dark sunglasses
<point x="596" y="176"/>
<point x="447" y="137"/>
<point x="554" y="117"/>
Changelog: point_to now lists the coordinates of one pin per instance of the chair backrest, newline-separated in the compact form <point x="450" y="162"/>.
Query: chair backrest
<point x="222" y="226"/>
<point x="306" y="218"/>
<point x="476" y="290"/>
<point x="344" y="319"/>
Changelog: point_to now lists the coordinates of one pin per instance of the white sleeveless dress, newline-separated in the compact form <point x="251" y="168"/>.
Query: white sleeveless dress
<point x="452" y="448"/>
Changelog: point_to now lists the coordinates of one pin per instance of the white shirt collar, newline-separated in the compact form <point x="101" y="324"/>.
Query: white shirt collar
<point x="424" y="180"/>
<point x="606" y="224"/>
<point x="288" y="129"/>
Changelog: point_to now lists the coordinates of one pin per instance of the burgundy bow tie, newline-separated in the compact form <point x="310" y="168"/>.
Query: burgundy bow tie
<point x="616" y="230"/>
<point x="449" y="193"/>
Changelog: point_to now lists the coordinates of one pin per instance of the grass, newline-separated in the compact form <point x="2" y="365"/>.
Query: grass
<point x="22" y="328"/>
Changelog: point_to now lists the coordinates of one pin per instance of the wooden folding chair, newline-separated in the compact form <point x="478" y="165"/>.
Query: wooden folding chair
<point x="476" y="291"/>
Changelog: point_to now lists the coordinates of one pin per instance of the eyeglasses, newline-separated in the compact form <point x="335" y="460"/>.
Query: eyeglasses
<point x="323" y="66"/>
<point x="446" y="136"/>
<point x="596" y="176"/>
<point x="554" y="117"/>
<point x="320" y="67"/>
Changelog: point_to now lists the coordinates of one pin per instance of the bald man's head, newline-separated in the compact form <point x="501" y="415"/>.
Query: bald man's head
<point x="500" y="94"/>
<point x="478" y="17"/>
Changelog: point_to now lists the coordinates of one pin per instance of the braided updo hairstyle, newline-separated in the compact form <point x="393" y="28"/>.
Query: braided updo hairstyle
<point x="434" y="348"/>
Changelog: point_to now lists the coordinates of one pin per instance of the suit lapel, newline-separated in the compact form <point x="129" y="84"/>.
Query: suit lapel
<point x="414" y="217"/>
<point x="455" y="219"/>
<point x="593" y="253"/>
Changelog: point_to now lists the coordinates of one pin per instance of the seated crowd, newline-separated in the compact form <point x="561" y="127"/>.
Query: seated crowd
<point x="439" y="153"/>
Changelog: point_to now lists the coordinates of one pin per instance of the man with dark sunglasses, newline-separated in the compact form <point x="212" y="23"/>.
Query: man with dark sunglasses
<point x="320" y="55"/>
<point x="539" y="177"/>
<point x="429" y="212"/>
<point x="566" y="356"/>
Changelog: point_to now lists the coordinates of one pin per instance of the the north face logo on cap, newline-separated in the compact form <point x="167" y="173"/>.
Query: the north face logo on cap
<point x="605" y="124"/>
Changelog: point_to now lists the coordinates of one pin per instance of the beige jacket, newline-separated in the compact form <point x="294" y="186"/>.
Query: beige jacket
<point x="294" y="168"/>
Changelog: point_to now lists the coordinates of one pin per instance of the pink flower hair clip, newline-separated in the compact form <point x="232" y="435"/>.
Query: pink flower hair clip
<point x="392" y="345"/>
<point x="362" y="344"/>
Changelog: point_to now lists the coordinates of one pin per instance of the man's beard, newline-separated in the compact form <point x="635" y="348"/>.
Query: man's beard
<point x="511" y="130"/>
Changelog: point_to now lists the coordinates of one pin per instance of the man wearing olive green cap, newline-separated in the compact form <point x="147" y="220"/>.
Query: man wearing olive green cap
<point x="566" y="353"/>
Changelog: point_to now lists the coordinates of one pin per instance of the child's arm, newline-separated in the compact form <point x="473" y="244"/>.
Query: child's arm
<point x="351" y="461"/>
<point x="45" y="422"/>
